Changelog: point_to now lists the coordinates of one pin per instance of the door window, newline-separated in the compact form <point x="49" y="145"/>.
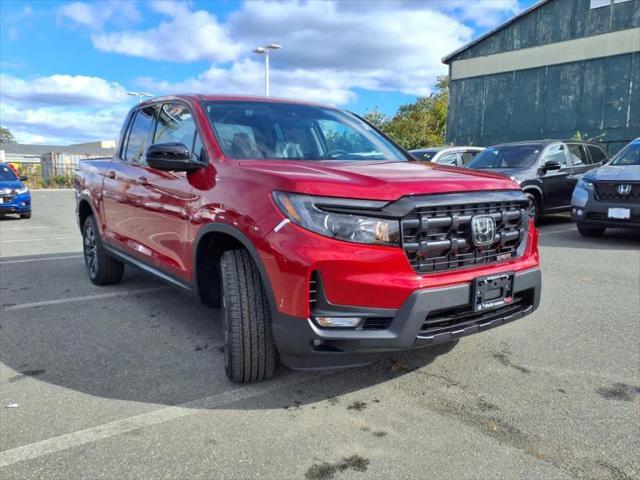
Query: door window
<point x="137" y="141"/>
<point x="557" y="153"/>
<point x="175" y="125"/>
<point x="448" y="159"/>
<point x="578" y="154"/>
<point x="468" y="156"/>
<point x="597" y="154"/>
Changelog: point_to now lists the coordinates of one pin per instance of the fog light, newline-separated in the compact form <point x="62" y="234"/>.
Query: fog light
<point x="338" y="322"/>
<point x="579" y="212"/>
<point x="23" y="204"/>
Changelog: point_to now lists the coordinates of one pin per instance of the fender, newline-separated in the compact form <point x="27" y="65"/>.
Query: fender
<point x="531" y="186"/>
<point x="216" y="227"/>
<point x="86" y="197"/>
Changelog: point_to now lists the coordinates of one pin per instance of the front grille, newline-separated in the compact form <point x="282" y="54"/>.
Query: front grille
<point x="608" y="191"/>
<point x="7" y="198"/>
<point x="376" y="323"/>
<point x="438" y="237"/>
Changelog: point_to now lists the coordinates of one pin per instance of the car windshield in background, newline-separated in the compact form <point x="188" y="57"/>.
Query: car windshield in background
<point x="628" y="156"/>
<point x="508" y="156"/>
<point x="7" y="175"/>
<point x="262" y="130"/>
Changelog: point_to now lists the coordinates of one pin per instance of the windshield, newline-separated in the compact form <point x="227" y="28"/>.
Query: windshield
<point x="261" y="130"/>
<point x="425" y="154"/>
<point x="630" y="155"/>
<point x="6" y="174"/>
<point x="507" y="156"/>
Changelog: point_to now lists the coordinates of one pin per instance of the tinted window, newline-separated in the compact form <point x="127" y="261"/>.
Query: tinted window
<point x="557" y="154"/>
<point x="578" y="154"/>
<point x="630" y="155"/>
<point x="175" y="125"/>
<point x="7" y="175"/>
<point x="424" y="154"/>
<point x="257" y="130"/>
<point x="448" y="159"/>
<point x="468" y="156"/>
<point x="506" y="156"/>
<point x="142" y="123"/>
<point x="597" y="154"/>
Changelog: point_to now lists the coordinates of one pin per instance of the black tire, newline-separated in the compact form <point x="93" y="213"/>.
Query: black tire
<point x="590" y="231"/>
<point x="534" y="207"/>
<point x="249" y="350"/>
<point x="25" y="215"/>
<point x="101" y="268"/>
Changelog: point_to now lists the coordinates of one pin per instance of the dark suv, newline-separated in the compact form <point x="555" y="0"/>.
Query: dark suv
<point x="547" y="170"/>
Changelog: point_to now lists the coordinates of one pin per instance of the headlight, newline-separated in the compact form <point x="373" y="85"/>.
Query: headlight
<point x="304" y="211"/>
<point x="585" y="184"/>
<point x="515" y="179"/>
<point x="22" y="190"/>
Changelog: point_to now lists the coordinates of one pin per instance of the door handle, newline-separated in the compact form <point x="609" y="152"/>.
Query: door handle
<point x="143" y="181"/>
<point x="112" y="174"/>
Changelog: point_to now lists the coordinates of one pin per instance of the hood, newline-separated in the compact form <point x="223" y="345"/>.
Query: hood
<point x="376" y="180"/>
<point x="615" y="173"/>
<point x="10" y="184"/>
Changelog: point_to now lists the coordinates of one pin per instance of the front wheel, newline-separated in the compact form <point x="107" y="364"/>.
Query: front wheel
<point x="249" y="350"/>
<point x="101" y="268"/>
<point x="25" y="215"/>
<point x="590" y="231"/>
<point x="534" y="207"/>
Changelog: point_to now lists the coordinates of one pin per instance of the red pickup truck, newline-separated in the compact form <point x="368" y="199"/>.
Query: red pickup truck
<point x="324" y="243"/>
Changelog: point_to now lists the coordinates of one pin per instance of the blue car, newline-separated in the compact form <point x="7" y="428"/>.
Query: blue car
<point x="14" y="195"/>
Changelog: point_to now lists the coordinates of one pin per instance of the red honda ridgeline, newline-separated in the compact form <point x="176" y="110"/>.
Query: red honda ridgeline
<point x="324" y="243"/>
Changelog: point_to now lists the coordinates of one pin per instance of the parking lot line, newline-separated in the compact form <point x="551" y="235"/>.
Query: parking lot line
<point x="556" y="231"/>
<point x="106" y="430"/>
<point x="29" y="260"/>
<point x="83" y="299"/>
<point x="52" y="237"/>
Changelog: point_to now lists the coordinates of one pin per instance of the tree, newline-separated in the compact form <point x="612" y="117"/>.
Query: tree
<point x="6" y="136"/>
<point x="419" y="124"/>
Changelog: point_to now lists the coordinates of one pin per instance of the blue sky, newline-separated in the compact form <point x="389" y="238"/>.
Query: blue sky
<point x="66" y="66"/>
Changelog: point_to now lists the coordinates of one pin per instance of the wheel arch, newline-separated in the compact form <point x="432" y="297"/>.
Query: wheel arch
<point x="85" y="209"/>
<point x="536" y="191"/>
<point x="211" y="242"/>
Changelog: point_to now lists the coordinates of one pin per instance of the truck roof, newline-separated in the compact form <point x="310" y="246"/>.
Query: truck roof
<point x="210" y="97"/>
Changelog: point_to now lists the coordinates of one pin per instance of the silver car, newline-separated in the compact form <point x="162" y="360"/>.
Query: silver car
<point x="453" y="156"/>
<point x="609" y="196"/>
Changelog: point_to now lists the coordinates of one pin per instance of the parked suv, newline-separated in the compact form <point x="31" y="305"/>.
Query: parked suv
<point x="453" y="156"/>
<point x="14" y="194"/>
<point x="547" y="170"/>
<point x="610" y="195"/>
<point x="321" y="239"/>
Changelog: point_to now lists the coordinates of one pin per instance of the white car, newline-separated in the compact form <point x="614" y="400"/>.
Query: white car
<point x="453" y="156"/>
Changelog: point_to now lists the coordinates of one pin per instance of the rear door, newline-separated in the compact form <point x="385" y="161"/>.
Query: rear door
<point x="557" y="185"/>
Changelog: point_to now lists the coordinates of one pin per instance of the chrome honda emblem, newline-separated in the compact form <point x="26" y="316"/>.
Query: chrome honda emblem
<point x="483" y="230"/>
<point x="624" y="189"/>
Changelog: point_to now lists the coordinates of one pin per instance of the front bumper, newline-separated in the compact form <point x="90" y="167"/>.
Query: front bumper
<point x="18" y="204"/>
<point x="303" y="345"/>
<point x="587" y="210"/>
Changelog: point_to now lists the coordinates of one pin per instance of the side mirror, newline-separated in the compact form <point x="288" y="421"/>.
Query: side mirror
<point x="551" y="165"/>
<point x="24" y="178"/>
<point x="171" y="157"/>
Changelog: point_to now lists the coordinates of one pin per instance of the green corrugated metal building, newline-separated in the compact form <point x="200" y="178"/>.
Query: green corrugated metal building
<point x="560" y="67"/>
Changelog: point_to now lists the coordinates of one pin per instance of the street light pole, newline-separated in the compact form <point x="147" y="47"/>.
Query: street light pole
<point x="265" y="51"/>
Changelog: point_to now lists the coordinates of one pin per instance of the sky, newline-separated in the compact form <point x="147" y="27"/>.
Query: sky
<point x="66" y="67"/>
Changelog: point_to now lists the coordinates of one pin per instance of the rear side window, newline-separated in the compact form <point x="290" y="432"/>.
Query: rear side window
<point x="138" y="134"/>
<point x="597" y="154"/>
<point x="578" y="154"/>
<point x="556" y="152"/>
<point x="448" y="159"/>
<point x="175" y="125"/>
<point x="468" y="156"/>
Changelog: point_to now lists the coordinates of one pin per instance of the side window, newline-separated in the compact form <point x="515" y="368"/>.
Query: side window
<point x="175" y="125"/>
<point x="468" y="156"/>
<point x="578" y="154"/>
<point x="556" y="152"/>
<point x="597" y="154"/>
<point x="448" y="159"/>
<point x="198" y="153"/>
<point x="137" y="141"/>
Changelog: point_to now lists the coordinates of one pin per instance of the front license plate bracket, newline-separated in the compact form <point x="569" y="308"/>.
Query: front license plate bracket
<point x="493" y="291"/>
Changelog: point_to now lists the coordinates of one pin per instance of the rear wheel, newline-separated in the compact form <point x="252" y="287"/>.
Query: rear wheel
<point x="249" y="350"/>
<point x="590" y="231"/>
<point x="534" y="207"/>
<point x="101" y="268"/>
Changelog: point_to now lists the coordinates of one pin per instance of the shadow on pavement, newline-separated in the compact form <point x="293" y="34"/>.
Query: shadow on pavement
<point x="162" y="347"/>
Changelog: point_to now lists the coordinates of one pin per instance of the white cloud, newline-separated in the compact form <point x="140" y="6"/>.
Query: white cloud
<point x="96" y="15"/>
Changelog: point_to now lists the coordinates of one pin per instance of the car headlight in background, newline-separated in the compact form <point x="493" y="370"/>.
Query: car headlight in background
<point x="585" y="184"/>
<point x="303" y="211"/>
<point x="22" y="190"/>
<point x="515" y="179"/>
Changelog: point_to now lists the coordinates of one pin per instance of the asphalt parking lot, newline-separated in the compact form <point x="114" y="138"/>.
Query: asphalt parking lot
<point x="127" y="381"/>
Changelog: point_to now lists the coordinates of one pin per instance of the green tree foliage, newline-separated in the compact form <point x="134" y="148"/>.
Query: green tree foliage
<point x="419" y="124"/>
<point x="6" y="136"/>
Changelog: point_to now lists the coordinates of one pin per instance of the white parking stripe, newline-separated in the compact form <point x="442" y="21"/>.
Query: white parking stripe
<point x="18" y="228"/>
<point x="107" y="430"/>
<point x="556" y="231"/>
<point x="52" y="237"/>
<point x="83" y="299"/>
<point x="28" y="260"/>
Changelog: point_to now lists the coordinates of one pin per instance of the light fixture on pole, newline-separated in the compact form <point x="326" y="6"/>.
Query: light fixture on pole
<point x="140" y="95"/>
<point x="265" y="51"/>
